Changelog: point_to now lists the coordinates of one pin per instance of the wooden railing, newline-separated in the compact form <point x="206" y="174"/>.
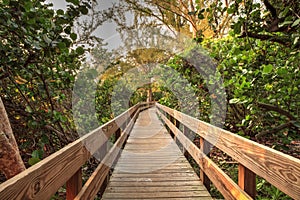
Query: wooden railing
<point x="45" y="178"/>
<point x="280" y="170"/>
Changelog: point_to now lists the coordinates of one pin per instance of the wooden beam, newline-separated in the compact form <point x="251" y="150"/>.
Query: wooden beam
<point x="204" y="147"/>
<point x="74" y="185"/>
<point x="247" y="180"/>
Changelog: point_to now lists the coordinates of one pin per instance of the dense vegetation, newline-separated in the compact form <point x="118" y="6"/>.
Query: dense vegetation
<point x="255" y="46"/>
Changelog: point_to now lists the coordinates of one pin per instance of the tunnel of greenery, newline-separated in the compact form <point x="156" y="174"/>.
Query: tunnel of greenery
<point x="253" y="44"/>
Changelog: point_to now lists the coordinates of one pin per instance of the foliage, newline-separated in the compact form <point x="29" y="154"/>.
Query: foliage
<point x="267" y="191"/>
<point x="258" y="73"/>
<point x="38" y="67"/>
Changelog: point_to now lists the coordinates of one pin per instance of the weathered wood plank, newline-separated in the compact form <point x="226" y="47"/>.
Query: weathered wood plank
<point x="145" y="195"/>
<point x="247" y="180"/>
<point x="154" y="184"/>
<point x="204" y="148"/>
<point x="279" y="169"/>
<point x="74" y="185"/>
<point x="162" y="198"/>
<point x="156" y="189"/>
<point x="167" y="198"/>
<point x="152" y="175"/>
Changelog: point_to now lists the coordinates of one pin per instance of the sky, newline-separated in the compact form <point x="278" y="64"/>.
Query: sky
<point x="107" y="31"/>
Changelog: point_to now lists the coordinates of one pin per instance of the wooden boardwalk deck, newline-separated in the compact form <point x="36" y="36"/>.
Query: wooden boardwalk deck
<point x="151" y="166"/>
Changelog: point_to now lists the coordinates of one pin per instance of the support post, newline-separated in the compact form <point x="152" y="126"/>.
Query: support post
<point x="172" y="120"/>
<point x="247" y="180"/>
<point x="185" y="133"/>
<point x="74" y="185"/>
<point x="204" y="147"/>
<point x="177" y="124"/>
<point x="118" y="134"/>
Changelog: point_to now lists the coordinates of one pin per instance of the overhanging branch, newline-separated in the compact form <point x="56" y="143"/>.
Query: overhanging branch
<point x="271" y="38"/>
<point x="276" y="109"/>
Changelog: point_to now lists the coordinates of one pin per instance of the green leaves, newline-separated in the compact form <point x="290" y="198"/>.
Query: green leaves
<point x="39" y="54"/>
<point x="75" y="2"/>
<point x="33" y="161"/>
<point x="60" y="12"/>
<point x="284" y="12"/>
<point x="257" y="71"/>
<point x="267" y="69"/>
<point x="83" y="10"/>
<point x="36" y="156"/>
<point x="80" y="50"/>
<point x="73" y="36"/>
<point x="296" y="23"/>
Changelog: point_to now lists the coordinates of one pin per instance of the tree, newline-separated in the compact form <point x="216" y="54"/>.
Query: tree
<point x="146" y="60"/>
<point x="272" y="20"/>
<point x="260" y="78"/>
<point x="184" y="17"/>
<point x="10" y="162"/>
<point x="39" y="63"/>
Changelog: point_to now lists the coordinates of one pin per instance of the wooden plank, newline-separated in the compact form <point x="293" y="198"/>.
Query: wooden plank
<point x="247" y="180"/>
<point x="267" y="163"/>
<point x="145" y="195"/>
<point x="156" y="189"/>
<point x="74" y="185"/>
<point x="162" y="198"/>
<point x="154" y="184"/>
<point x="43" y="179"/>
<point x="204" y="147"/>
<point x="153" y="179"/>
<point x="228" y="188"/>
<point x="152" y="175"/>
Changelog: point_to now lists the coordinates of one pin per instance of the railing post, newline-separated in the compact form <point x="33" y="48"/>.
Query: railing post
<point x="177" y="124"/>
<point x="247" y="180"/>
<point x="74" y="185"/>
<point x="171" y="119"/>
<point x="118" y="134"/>
<point x="185" y="133"/>
<point x="204" y="147"/>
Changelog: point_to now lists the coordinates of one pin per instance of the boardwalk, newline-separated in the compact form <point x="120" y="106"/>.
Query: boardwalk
<point x="152" y="166"/>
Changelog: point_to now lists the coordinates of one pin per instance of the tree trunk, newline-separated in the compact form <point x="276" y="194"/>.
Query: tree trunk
<point x="149" y="94"/>
<point x="10" y="160"/>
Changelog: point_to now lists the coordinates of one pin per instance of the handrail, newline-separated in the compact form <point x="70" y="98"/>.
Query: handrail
<point x="42" y="180"/>
<point x="280" y="170"/>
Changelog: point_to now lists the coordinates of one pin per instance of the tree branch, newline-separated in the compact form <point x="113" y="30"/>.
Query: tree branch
<point x="276" y="109"/>
<point x="271" y="38"/>
<point x="274" y="130"/>
<point x="271" y="9"/>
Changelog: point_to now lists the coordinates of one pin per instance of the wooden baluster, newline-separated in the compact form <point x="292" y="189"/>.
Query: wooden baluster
<point x="185" y="133"/>
<point x="177" y="124"/>
<point x="172" y="120"/>
<point x="247" y="180"/>
<point x="74" y="185"/>
<point x="204" y="147"/>
<point x="118" y="134"/>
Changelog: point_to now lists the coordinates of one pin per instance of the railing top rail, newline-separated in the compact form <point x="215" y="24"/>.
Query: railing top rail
<point x="43" y="179"/>
<point x="279" y="169"/>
